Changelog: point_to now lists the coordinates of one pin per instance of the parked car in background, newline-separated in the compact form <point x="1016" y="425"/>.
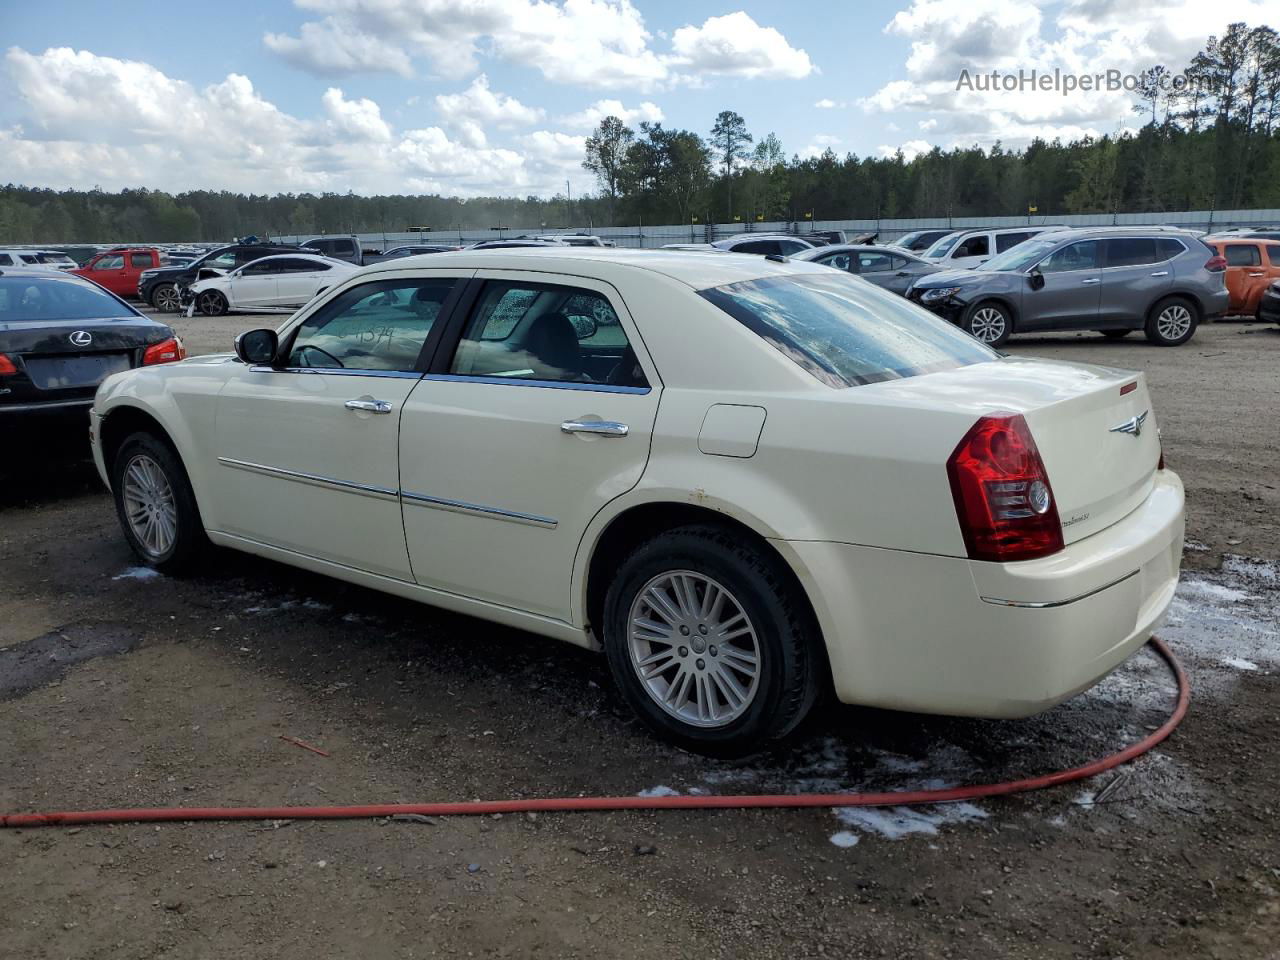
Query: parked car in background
<point x="162" y="288"/>
<point x="51" y="259"/>
<point x="699" y="247"/>
<point x="886" y="267"/>
<point x="118" y="270"/>
<point x="513" y="243"/>
<point x="674" y="487"/>
<point x="61" y="335"/>
<point x="275" y="284"/>
<point x="1252" y="266"/>
<point x="1113" y="280"/>
<point x="919" y="240"/>
<point x="410" y="250"/>
<point x="1269" y="303"/>
<point x="764" y="244"/>
<point x="971" y="248"/>
<point x="572" y="239"/>
<point x="345" y="247"/>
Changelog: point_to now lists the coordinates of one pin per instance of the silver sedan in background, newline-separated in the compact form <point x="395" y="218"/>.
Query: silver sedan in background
<point x="895" y="270"/>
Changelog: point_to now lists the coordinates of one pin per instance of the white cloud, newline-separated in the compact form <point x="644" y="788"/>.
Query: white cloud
<point x="481" y="105"/>
<point x="910" y="150"/>
<point x="819" y="144"/>
<point x="594" y="43"/>
<point x="166" y="134"/>
<point x="826" y="103"/>
<point x="592" y="115"/>
<point x="1077" y="36"/>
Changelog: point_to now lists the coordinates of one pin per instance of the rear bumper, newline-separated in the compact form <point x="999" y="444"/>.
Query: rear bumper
<point x="1269" y="306"/>
<point x="1217" y="303"/>
<point x="947" y="635"/>
<point x="47" y="407"/>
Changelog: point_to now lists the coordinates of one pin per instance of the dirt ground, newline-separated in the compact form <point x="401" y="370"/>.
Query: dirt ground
<point x="122" y="689"/>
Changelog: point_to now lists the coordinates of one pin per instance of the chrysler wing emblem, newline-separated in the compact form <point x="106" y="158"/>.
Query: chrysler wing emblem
<point x="1133" y="425"/>
<point x="81" y="338"/>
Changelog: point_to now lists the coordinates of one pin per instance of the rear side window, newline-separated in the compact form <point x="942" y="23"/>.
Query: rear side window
<point x="139" y="259"/>
<point x="6" y="260"/>
<point x="844" y="334"/>
<point x="1243" y="255"/>
<point x="298" y="265"/>
<point x="1129" y="251"/>
<point x="762" y="247"/>
<point x="1273" y="255"/>
<point x="1167" y="248"/>
<point x="1006" y="240"/>
<point x="874" y="263"/>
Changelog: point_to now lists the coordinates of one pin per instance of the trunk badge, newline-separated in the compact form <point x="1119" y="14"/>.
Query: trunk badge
<point x="81" y="338"/>
<point x="1133" y="425"/>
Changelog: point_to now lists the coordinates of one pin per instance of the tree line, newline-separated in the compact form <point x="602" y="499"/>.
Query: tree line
<point x="1210" y="139"/>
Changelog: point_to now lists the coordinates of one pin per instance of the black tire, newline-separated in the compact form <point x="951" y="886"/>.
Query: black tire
<point x="790" y="662"/>
<point x="1176" y="312"/>
<point x="989" y="322"/>
<point x="1115" y="334"/>
<point x="211" y="303"/>
<point x="189" y="542"/>
<point x="165" y="298"/>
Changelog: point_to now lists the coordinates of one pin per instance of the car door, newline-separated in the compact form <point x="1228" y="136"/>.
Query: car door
<point x="1133" y="278"/>
<point x="297" y="280"/>
<point x="253" y="285"/>
<point x="970" y="251"/>
<point x="108" y="271"/>
<point x="516" y="439"/>
<point x="135" y="263"/>
<point x="884" y="270"/>
<point x="307" y="451"/>
<point x="1245" y="276"/>
<point x="1069" y="296"/>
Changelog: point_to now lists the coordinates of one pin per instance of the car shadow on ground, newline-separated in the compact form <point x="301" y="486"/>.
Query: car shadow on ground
<point x="45" y="461"/>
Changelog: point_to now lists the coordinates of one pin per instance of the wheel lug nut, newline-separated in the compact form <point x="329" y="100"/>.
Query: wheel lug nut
<point x="684" y="651"/>
<point x="684" y="631"/>
<point x="713" y="651"/>
<point x="702" y="629"/>
<point x="702" y="664"/>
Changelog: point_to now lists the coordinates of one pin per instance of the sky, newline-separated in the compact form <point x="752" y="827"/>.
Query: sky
<point x="496" y="97"/>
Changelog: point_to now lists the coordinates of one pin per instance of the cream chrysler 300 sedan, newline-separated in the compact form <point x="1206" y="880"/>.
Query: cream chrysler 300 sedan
<point x="747" y="480"/>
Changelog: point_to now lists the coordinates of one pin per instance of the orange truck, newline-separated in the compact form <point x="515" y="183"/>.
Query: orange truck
<point x="1252" y="266"/>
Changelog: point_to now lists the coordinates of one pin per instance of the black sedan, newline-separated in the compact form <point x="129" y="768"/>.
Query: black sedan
<point x="62" y="335"/>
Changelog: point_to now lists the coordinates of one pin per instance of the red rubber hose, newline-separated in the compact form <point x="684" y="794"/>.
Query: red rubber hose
<point x="700" y="802"/>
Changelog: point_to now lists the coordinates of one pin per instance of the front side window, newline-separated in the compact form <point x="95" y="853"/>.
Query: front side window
<point x="1130" y="251"/>
<point x="376" y="326"/>
<point x="298" y="265"/>
<point x="841" y="333"/>
<point x="1243" y="255"/>
<point x="6" y="260"/>
<point x="942" y="246"/>
<point x="1082" y="255"/>
<point x="223" y="261"/>
<point x="535" y="331"/>
<point x="1006" y="240"/>
<point x="114" y="262"/>
<point x="973" y="247"/>
<point x="841" y="261"/>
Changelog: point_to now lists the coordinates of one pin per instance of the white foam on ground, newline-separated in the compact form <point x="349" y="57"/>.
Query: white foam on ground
<point x="137" y="573"/>
<point x="1212" y="591"/>
<point x="845" y="839"/>
<point x="1239" y="664"/>
<point x="659" y="791"/>
<point x="894" y="823"/>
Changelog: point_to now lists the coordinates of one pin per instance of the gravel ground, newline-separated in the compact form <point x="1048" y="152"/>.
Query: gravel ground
<point x="122" y="689"/>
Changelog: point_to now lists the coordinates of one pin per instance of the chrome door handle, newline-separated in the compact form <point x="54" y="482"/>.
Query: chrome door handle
<point x="1161" y="273"/>
<point x="369" y="406"/>
<point x="1257" y="274"/>
<point x="1092" y="280"/>
<point x="599" y="428"/>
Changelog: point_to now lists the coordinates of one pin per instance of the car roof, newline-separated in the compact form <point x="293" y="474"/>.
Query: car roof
<point x="697" y="269"/>
<point x="1238" y="238"/>
<point x="1136" y="230"/>
<point x="853" y="248"/>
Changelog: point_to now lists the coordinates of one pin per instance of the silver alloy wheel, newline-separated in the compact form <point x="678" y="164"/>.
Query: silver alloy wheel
<point x="166" y="299"/>
<point x="987" y="324"/>
<point x="694" y="648"/>
<point x="149" y="506"/>
<point x="210" y="303"/>
<point x="1174" y="322"/>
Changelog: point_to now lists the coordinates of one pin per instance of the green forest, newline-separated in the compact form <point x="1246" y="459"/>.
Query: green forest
<point x="1210" y="143"/>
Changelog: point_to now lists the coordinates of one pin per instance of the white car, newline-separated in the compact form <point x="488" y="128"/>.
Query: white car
<point x="279" y="283"/>
<point x="47" y="259"/>
<point x="745" y="480"/>
<point x="965" y="249"/>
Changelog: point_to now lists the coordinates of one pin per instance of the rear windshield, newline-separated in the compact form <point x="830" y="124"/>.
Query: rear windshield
<point x="40" y="299"/>
<point x="843" y="333"/>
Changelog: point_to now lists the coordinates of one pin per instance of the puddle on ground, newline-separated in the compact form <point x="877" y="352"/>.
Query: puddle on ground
<point x="27" y="666"/>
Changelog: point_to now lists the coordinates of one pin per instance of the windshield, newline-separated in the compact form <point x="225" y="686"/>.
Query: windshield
<point x="1021" y="256"/>
<point x="844" y="334"/>
<point x="50" y="298"/>
<point x="939" y="249"/>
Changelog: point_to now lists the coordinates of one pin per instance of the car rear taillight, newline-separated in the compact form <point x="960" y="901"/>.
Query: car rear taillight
<point x="7" y="369"/>
<point x="1216" y="264"/>
<point x="166" y="351"/>
<point x="1003" y="499"/>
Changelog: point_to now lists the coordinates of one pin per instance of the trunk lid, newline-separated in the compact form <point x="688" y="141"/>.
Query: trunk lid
<point x="1094" y="428"/>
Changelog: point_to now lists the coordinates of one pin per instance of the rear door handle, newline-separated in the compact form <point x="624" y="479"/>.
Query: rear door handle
<point x="369" y="405"/>
<point x="1161" y="273"/>
<point x="598" y="428"/>
<point x="1092" y="280"/>
<point x="1257" y="274"/>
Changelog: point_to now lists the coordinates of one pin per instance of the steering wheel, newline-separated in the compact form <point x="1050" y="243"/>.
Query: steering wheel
<point x="326" y="353"/>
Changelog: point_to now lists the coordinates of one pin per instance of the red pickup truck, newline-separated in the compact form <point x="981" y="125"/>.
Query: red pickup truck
<point x="118" y="269"/>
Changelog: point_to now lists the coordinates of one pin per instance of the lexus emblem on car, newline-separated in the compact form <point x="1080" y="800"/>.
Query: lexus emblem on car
<point x="81" y="338"/>
<point x="1133" y="425"/>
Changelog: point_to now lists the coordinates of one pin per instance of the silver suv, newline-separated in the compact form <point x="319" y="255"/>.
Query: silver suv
<point x="1115" y="280"/>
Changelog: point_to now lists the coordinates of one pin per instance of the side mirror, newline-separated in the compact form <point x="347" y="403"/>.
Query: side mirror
<point x="1035" y="278"/>
<point x="257" y="347"/>
<point x="584" y="327"/>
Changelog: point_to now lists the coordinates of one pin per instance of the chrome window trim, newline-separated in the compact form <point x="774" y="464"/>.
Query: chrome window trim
<point x="341" y="372"/>
<point x="1046" y="604"/>
<point x="545" y="384"/>
<point x="462" y="506"/>
<point x="363" y="489"/>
